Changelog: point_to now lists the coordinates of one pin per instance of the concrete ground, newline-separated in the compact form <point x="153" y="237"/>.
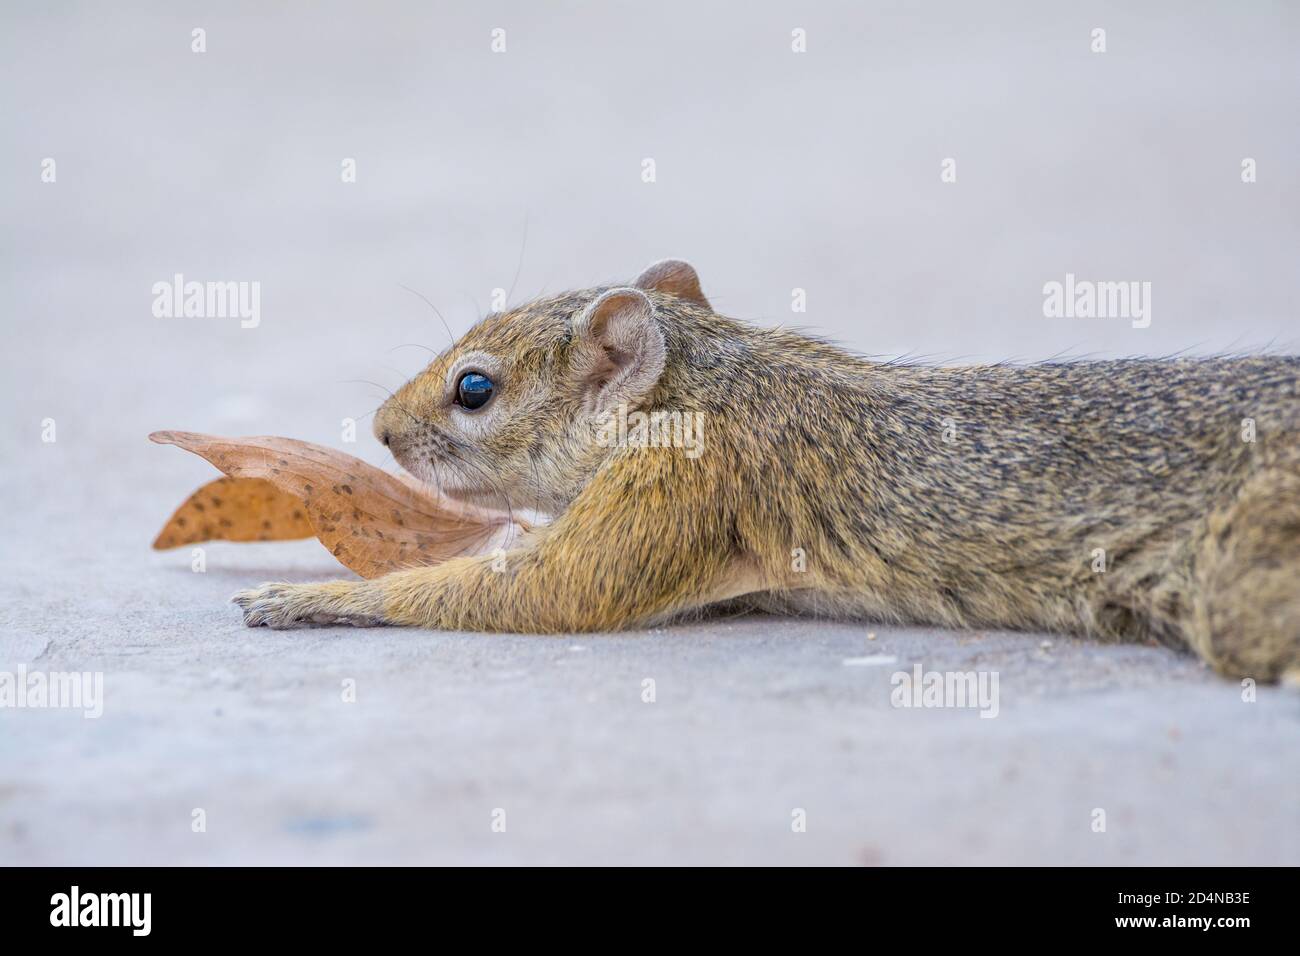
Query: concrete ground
<point x="752" y="718"/>
<point x="776" y="172"/>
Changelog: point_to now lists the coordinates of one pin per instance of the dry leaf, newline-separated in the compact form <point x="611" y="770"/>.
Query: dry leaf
<point x="373" y="522"/>
<point x="236" y="509"/>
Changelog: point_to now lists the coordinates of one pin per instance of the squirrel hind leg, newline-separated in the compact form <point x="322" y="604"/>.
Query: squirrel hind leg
<point x="1243" y="616"/>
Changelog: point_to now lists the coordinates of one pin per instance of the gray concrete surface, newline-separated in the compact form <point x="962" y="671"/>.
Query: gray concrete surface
<point x="775" y="171"/>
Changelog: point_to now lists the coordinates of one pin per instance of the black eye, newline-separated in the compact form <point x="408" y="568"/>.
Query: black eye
<point x="474" y="390"/>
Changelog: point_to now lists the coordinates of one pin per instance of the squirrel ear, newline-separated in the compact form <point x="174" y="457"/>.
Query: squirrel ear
<point x="619" y="348"/>
<point x="673" y="277"/>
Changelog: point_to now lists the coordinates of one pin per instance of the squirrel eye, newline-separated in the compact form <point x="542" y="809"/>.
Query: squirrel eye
<point x="474" y="390"/>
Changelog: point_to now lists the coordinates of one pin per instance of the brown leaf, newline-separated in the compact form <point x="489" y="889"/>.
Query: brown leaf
<point x="236" y="509"/>
<point x="373" y="522"/>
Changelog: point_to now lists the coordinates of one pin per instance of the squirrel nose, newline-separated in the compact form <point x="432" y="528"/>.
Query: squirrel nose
<point x="383" y="427"/>
<point x="389" y="428"/>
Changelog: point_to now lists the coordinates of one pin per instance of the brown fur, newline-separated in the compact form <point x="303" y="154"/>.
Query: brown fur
<point x="965" y="497"/>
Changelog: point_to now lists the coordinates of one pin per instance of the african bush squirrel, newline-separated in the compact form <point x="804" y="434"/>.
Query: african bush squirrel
<point x="1131" y="500"/>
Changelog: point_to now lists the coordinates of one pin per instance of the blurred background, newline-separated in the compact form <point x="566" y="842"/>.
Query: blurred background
<point x="774" y="171"/>
<point x="522" y="170"/>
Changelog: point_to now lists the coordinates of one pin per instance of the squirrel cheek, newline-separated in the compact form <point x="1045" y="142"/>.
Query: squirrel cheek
<point x="476" y="426"/>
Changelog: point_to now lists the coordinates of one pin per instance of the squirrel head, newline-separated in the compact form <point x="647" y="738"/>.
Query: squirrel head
<point x="508" y="417"/>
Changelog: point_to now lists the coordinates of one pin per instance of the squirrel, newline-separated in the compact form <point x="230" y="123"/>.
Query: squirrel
<point x="1146" y="500"/>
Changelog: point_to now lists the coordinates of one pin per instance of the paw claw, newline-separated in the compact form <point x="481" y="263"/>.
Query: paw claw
<point x="281" y="606"/>
<point x="264" y="606"/>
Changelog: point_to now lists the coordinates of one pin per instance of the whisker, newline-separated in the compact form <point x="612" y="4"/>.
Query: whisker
<point x="365" y="381"/>
<point x="450" y="338"/>
<point x="519" y="267"/>
<point x="495" y="485"/>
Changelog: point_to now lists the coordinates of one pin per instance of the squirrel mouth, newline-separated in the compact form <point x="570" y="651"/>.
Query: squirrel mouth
<point x="452" y="477"/>
<point x="449" y="478"/>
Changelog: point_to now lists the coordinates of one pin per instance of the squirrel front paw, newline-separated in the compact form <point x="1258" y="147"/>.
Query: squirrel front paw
<point x="281" y="606"/>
